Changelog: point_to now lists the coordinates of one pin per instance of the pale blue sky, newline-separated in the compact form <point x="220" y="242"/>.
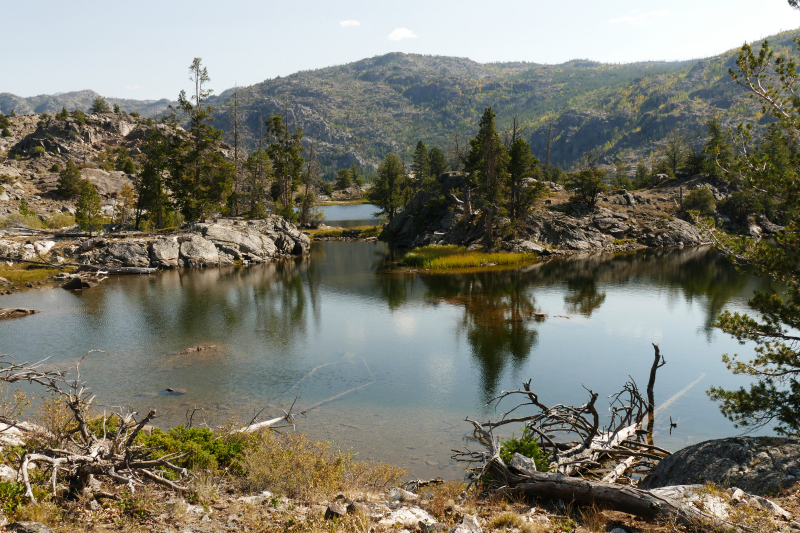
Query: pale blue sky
<point x="141" y="49"/>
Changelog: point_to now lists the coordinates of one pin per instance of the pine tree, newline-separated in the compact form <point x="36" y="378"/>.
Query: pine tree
<point x="674" y="150"/>
<point x="486" y="164"/>
<point x="259" y="176"/>
<point x="285" y="151"/>
<point x="69" y="180"/>
<point x="88" y="212"/>
<point x="774" y="395"/>
<point x="343" y="178"/>
<point x="355" y="175"/>
<point x="420" y="165"/>
<point x="387" y="190"/>
<point x="63" y="114"/>
<point x="522" y="166"/>
<point x="99" y="105"/>
<point x="437" y="161"/>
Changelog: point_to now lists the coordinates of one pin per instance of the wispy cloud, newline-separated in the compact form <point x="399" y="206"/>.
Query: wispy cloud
<point x="132" y="87"/>
<point x="401" y="33"/>
<point x="639" y="19"/>
<point x="349" y="23"/>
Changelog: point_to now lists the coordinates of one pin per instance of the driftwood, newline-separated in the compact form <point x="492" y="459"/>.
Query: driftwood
<point x="116" y="270"/>
<point x="81" y="452"/>
<point x="607" y="460"/>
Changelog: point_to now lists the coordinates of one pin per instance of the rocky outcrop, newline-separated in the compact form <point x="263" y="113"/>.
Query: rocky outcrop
<point x="437" y="217"/>
<point x="217" y="242"/>
<point x="757" y="465"/>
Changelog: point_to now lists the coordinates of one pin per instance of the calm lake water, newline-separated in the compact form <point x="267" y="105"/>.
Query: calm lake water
<point x="350" y="216"/>
<point x="426" y="350"/>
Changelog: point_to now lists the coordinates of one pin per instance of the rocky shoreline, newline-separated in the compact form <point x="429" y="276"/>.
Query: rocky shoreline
<point x="221" y="241"/>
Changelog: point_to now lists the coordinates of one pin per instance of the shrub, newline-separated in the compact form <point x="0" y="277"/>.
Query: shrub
<point x="526" y="446"/>
<point x="55" y="168"/>
<point x="128" y="167"/>
<point x="60" y="220"/>
<point x="38" y="150"/>
<point x="134" y="114"/>
<point x="6" y="133"/>
<point x="116" y="108"/>
<point x="701" y="199"/>
<point x="741" y="205"/>
<point x="24" y="210"/>
<point x="209" y="451"/>
<point x="79" y="115"/>
<point x="586" y="185"/>
<point x="297" y="467"/>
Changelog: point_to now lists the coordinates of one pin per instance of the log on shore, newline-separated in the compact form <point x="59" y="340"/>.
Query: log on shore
<point x="117" y="270"/>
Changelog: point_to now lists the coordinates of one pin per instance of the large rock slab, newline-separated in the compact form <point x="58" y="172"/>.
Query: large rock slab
<point x="757" y="465"/>
<point x="131" y="254"/>
<point x="243" y="241"/>
<point x="165" y="253"/>
<point x="198" y="251"/>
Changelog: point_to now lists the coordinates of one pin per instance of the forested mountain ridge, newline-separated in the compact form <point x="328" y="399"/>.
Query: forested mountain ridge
<point x="358" y="112"/>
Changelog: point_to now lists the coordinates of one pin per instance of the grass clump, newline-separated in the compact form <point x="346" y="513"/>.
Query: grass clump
<point x="19" y="275"/>
<point x="60" y="220"/>
<point x="29" y="220"/>
<point x="297" y="467"/>
<point x="364" y="232"/>
<point x="506" y="519"/>
<point x="449" y="256"/>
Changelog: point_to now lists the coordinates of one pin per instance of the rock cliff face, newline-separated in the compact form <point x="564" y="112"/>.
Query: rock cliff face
<point x="219" y="242"/>
<point x="554" y="225"/>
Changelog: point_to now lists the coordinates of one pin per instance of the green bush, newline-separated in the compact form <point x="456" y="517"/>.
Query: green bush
<point x="128" y="167"/>
<point x="134" y="114"/>
<point x="701" y="199"/>
<point x="12" y="497"/>
<point x="209" y="451"/>
<point x="6" y="133"/>
<point x="526" y="446"/>
<point x="741" y="205"/>
<point x="38" y="150"/>
<point x="55" y="168"/>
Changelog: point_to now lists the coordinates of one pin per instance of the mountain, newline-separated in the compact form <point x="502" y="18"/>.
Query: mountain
<point x="53" y="103"/>
<point x="360" y="111"/>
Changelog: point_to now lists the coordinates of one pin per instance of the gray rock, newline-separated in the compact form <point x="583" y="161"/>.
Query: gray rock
<point x="28" y="527"/>
<point x="165" y="253"/>
<point x="198" y="251"/>
<point x="469" y="524"/>
<point x="4" y="197"/>
<point x="757" y="465"/>
<point x="75" y="283"/>
<point x="335" y="510"/>
<point x="241" y="241"/>
<point x="130" y="254"/>
<point x="91" y="244"/>
<point x="399" y="494"/>
<point x="523" y="464"/>
<point x="531" y="247"/>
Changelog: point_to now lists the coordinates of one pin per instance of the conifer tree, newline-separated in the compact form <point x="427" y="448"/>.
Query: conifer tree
<point x="390" y="183"/>
<point x="487" y="163"/>
<point x="343" y="178"/>
<point x="521" y="167"/>
<point x="88" y="212"/>
<point x="420" y="165"/>
<point x="68" y="180"/>
<point x="285" y="151"/>
<point x="437" y="161"/>
<point x="259" y="175"/>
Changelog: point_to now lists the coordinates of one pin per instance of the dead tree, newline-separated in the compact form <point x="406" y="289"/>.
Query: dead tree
<point x="84" y="450"/>
<point x="588" y="463"/>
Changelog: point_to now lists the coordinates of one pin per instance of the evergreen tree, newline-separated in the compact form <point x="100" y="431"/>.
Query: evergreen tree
<point x="343" y="178"/>
<point x="522" y="167"/>
<point x="621" y="179"/>
<point x="774" y="396"/>
<point x="88" y="213"/>
<point x="116" y="109"/>
<point x="203" y="180"/>
<point x="126" y="202"/>
<point x="99" y="105"/>
<point x="285" y="151"/>
<point x="63" y="114"/>
<point x="387" y="190"/>
<point x="355" y="175"/>
<point x="420" y="165"/>
<point x="438" y="162"/>
<point x="719" y="152"/>
<point x="486" y="164"/>
<point x="69" y="180"/>
<point x="641" y="179"/>
<point x="259" y="175"/>
<point x="587" y="184"/>
<point x="162" y="157"/>
<point x="674" y="150"/>
<point x="309" y="214"/>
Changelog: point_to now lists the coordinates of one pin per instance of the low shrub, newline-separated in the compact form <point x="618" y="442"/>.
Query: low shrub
<point x="60" y="220"/>
<point x="38" y="150"/>
<point x="208" y="450"/>
<point x="55" y="168"/>
<point x="741" y="205"/>
<point x="701" y="199"/>
<point x="527" y="446"/>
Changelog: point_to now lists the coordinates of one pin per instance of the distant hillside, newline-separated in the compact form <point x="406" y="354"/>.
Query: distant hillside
<point x="52" y="103"/>
<point x="361" y="111"/>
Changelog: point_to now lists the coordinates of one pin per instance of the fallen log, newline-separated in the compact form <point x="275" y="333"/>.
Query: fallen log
<point x="116" y="270"/>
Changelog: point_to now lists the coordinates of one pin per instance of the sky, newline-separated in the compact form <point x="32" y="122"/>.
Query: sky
<point x="142" y="49"/>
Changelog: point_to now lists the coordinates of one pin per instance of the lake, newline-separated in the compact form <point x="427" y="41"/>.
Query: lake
<point x="350" y="216"/>
<point x="415" y="353"/>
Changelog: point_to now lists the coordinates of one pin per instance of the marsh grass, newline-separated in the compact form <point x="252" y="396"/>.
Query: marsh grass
<point x="450" y="256"/>
<point x="358" y="201"/>
<point x="18" y="274"/>
<point x="366" y="231"/>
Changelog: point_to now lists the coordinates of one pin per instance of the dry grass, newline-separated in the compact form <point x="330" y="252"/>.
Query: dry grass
<point x="451" y="256"/>
<point x="592" y="518"/>
<point x="506" y="519"/>
<point x="366" y="231"/>
<point x="20" y="275"/>
<point x="297" y="467"/>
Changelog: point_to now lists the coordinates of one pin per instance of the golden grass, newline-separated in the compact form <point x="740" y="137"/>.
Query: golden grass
<point x="359" y="201"/>
<point x="441" y="257"/>
<point x="19" y="275"/>
<point x="366" y="231"/>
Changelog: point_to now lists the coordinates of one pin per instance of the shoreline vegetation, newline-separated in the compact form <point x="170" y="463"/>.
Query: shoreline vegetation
<point x="453" y="257"/>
